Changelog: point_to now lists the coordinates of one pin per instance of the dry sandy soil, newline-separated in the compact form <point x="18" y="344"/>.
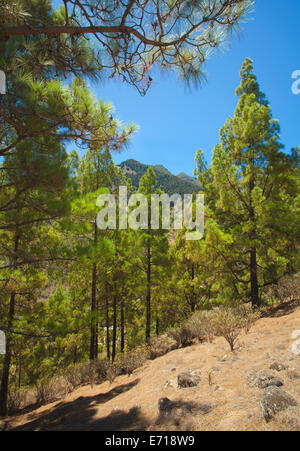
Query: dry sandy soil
<point x="226" y="402"/>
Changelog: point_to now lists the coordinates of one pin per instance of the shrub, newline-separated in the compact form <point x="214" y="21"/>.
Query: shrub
<point x="159" y="346"/>
<point x="228" y="323"/>
<point x="182" y="335"/>
<point x="50" y="390"/>
<point x="17" y="399"/>
<point x="112" y="371"/>
<point x="77" y="375"/>
<point x="45" y="391"/>
<point x="249" y="315"/>
<point x="133" y="360"/>
<point x="289" y="288"/>
<point x="195" y="324"/>
<point x="202" y="325"/>
<point x="175" y="335"/>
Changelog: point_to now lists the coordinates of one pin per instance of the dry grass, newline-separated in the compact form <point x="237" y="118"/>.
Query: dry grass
<point x="231" y="402"/>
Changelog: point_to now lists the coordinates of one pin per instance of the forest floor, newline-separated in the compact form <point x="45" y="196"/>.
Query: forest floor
<point x="225" y="399"/>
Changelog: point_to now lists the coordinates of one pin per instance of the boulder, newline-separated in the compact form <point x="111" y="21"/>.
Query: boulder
<point x="187" y="380"/>
<point x="277" y="366"/>
<point x="275" y="400"/>
<point x="265" y="380"/>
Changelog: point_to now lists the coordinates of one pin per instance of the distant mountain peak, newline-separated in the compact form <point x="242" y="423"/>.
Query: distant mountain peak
<point x="166" y="181"/>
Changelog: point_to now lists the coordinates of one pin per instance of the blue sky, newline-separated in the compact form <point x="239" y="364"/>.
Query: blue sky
<point x="174" y="122"/>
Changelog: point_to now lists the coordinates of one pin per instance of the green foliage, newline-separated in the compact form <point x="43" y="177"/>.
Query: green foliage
<point x="130" y="39"/>
<point x="78" y="303"/>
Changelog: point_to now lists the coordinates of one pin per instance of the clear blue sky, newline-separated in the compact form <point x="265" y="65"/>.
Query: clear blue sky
<point x="175" y="122"/>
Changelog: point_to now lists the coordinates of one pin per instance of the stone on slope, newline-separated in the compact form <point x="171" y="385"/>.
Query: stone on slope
<point x="274" y="400"/>
<point x="278" y="366"/>
<point x="186" y="380"/>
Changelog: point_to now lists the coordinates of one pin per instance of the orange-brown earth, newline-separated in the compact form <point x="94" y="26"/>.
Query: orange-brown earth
<point x="223" y="400"/>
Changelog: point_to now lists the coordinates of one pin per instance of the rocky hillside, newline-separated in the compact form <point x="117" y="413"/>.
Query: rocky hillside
<point x="166" y="181"/>
<point x="201" y="387"/>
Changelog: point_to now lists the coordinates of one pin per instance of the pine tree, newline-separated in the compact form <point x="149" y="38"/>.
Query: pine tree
<point x="155" y="246"/>
<point x="130" y="37"/>
<point x="251" y="174"/>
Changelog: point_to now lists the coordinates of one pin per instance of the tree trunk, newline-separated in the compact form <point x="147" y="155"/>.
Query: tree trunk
<point x="97" y="330"/>
<point x="93" y="311"/>
<point x="253" y="277"/>
<point x="94" y="322"/>
<point x="148" y="301"/>
<point x="157" y="326"/>
<point x="20" y="373"/>
<point x="107" y="329"/>
<point x="253" y="257"/>
<point x="122" y="326"/>
<point x="193" y="301"/>
<point x="7" y="358"/>
<point x="114" y="339"/>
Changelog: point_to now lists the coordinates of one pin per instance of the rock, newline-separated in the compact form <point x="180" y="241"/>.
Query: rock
<point x="277" y="381"/>
<point x="165" y="405"/>
<point x="277" y="366"/>
<point x="186" y="380"/>
<point x="264" y="380"/>
<point x="295" y="348"/>
<point x="218" y="388"/>
<point x="275" y="400"/>
<point x="169" y="384"/>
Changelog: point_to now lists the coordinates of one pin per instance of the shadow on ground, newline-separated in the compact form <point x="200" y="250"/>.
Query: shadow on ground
<point x="180" y="416"/>
<point x="282" y="309"/>
<point x="80" y="415"/>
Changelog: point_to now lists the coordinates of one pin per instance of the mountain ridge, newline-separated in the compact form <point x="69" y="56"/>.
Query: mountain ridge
<point x="166" y="181"/>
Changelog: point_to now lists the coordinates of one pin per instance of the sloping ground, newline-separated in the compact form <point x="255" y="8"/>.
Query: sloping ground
<point x="225" y="398"/>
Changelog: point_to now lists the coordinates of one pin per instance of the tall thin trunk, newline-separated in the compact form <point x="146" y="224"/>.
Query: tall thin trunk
<point x="97" y="330"/>
<point x="122" y="325"/>
<point x="193" y="300"/>
<point x="94" y="323"/>
<point x="254" y="291"/>
<point x="7" y="360"/>
<point x="157" y="326"/>
<point x="20" y="372"/>
<point x="93" y="311"/>
<point x="75" y="355"/>
<point x="107" y="329"/>
<point x="114" y="338"/>
<point x="8" y="354"/>
<point x="253" y="277"/>
<point x="148" y="300"/>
